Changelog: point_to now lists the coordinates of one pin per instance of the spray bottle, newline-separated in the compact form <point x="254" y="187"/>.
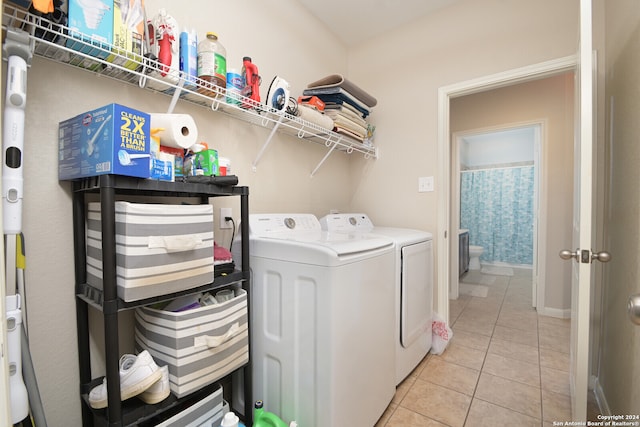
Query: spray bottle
<point x="189" y="57"/>
<point x="252" y="81"/>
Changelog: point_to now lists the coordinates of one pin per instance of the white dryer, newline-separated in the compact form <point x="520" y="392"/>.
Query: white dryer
<point x="413" y="279"/>
<point x="322" y="326"/>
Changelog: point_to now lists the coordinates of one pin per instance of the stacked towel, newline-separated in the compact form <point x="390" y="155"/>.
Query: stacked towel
<point x="345" y="103"/>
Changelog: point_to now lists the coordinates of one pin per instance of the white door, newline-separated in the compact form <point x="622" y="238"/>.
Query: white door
<point x="580" y="253"/>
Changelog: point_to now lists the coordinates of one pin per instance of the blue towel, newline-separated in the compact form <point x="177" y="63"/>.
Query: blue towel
<point x="339" y="96"/>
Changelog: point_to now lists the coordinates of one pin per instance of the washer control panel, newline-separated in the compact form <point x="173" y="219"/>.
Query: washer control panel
<point x="283" y="224"/>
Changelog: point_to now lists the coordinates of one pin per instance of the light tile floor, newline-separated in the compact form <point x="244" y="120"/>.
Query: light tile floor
<point x="505" y="366"/>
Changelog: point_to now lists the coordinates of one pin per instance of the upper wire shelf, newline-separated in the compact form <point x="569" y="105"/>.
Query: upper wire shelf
<point x="53" y="41"/>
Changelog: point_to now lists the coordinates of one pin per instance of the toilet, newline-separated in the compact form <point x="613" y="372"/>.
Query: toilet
<point x="474" y="257"/>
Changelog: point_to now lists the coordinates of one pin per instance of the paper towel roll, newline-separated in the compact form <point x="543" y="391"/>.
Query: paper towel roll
<point x="180" y="130"/>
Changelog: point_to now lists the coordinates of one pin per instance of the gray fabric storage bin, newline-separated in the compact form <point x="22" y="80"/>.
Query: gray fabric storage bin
<point x="205" y="412"/>
<point x="160" y="248"/>
<point x="186" y="341"/>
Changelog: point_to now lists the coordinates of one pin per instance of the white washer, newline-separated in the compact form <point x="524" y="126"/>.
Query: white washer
<point x="322" y="326"/>
<point x="413" y="283"/>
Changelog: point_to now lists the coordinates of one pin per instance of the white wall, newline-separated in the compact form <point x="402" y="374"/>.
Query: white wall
<point x="618" y="369"/>
<point x="403" y="70"/>
<point x="501" y="147"/>
<point x="282" y="39"/>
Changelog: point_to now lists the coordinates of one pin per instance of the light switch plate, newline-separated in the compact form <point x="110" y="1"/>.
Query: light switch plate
<point x="425" y="183"/>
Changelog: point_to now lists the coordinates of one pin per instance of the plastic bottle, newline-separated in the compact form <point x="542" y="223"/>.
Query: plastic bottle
<point x="212" y="65"/>
<point x="252" y="82"/>
<point x="189" y="56"/>
<point x="230" y="420"/>
<point x="235" y="84"/>
<point x="262" y="418"/>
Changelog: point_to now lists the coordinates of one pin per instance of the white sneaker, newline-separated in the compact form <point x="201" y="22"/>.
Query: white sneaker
<point x="159" y="391"/>
<point x="137" y="373"/>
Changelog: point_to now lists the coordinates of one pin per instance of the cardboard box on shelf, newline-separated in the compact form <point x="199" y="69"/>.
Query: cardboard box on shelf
<point x="113" y="139"/>
<point x="90" y="25"/>
<point x="207" y="160"/>
<point x="178" y="157"/>
<point x="128" y="33"/>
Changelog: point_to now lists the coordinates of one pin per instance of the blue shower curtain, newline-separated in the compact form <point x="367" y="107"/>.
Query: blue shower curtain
<point x="496" y="206"/>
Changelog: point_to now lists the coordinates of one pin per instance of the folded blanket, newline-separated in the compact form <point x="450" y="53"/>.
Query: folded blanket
<point x="338" y="80"/>
<point x="343" y="107"/>
<point x="221" y="255"/>
<point x="341" y="130"/>
<point x="316" y="117"/>
<point x="340" y="98"/>
<point x="338" y="95"/>
<point x="347" y="114"/>
<point x="343" y="122"/>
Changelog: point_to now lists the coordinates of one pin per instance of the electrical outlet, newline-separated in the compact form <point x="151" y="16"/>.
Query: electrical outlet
<point x="425" y="183"/>
<point x="225" y="212"/>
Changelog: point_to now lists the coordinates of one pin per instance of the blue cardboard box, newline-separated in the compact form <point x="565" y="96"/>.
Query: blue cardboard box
<point x="113" y="139"/>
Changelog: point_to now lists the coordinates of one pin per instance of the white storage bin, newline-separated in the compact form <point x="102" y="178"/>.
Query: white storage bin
<point x="160" y="248"/>
<point x="200" y="345"/>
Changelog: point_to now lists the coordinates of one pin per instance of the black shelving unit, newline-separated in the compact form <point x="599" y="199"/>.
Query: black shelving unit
<point x="132" y="412"/>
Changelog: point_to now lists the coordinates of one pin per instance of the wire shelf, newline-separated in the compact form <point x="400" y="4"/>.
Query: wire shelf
<point x="60" y="44"/>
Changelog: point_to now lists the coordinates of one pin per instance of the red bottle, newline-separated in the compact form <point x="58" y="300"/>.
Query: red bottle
<point x="252" y="82"/>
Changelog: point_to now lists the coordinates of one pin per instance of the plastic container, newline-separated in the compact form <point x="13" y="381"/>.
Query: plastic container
<point x="189" y="56"/>
<point x="230" y="420"/>
<point x="212" y="65"/>
<point x="262" y="418"/>
<point x="235" y="84"/>
<point x="224" y="166"/>
<point x="252" y="82"/>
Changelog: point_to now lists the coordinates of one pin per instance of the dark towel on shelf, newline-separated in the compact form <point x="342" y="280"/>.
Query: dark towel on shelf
<point x="338" y="81"/>
<point x="340" y="97"/>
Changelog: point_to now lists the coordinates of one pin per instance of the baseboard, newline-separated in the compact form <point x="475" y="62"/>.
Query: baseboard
<point x="601" y="400"/>
<point x="555" y="312"/>
<point x="506" y="264"/>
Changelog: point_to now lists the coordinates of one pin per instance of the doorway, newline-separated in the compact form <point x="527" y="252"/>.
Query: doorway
<point x="447" y="228"/>
<point x="495" y="197"/>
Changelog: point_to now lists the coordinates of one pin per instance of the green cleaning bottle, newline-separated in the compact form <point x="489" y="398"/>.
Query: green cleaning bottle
<point x="262" y="418"/>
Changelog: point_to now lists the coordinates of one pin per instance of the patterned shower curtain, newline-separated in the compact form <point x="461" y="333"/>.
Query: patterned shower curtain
<point x="496" y="206"/>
